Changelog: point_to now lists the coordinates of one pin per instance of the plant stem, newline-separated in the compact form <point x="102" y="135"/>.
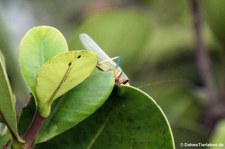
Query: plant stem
<point x="33" y="130"/>
<point x="203" y="63"/>
<point x="203" y="66"/>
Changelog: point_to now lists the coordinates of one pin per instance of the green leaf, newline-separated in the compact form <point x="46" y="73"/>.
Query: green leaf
<point x="7" y="104"/>
<point x="60" y="74"/>
<point x="38" y="45"/>
<point x="73" y="107"/>
<point x="2" y="58"/>
<point x="129" y="119"/>
<point x="218" y="135"/>
<point x="78" y="104"/>
<point x="4" y="139"/>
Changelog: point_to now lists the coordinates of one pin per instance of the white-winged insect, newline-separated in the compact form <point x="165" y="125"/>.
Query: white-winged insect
<point x="104" y="61"/>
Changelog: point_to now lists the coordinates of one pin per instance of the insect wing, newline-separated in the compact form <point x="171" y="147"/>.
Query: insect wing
<point x="92" y="46"/>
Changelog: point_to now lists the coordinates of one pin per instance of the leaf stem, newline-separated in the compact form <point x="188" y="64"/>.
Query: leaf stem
<point x="33" y="130"/>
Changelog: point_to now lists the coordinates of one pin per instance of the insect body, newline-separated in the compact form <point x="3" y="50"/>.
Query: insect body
<point x="104" y="61"/>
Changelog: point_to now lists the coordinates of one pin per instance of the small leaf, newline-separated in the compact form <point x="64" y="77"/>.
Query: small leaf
<point x="78" y="104"/>
<point x="7" y="104"/>
<point x="129" y="119"/>
<point x="73" y="107"/>
<point x="38" y="45"/>
<point x="60" y="74"/>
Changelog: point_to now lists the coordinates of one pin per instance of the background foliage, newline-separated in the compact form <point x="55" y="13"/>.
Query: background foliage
<point x="155" y="39"/>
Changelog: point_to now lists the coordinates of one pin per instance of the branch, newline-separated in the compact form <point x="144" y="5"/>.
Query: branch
<point x="33" y="130"/>
<point x="203" y="66"/>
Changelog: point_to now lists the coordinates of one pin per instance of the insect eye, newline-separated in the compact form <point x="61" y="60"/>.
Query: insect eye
<point x="79" y="56"/>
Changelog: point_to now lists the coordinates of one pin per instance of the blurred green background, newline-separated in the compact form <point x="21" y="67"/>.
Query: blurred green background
<point x="155" y="39"/>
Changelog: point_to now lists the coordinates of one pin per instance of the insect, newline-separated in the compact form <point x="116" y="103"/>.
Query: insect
<point x="104" y="61"/>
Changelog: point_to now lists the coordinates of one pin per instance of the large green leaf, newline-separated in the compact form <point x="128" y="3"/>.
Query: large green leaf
<point x="60" y="74"/>
<point x="129" y="119"/>
<point x="38" y="45"/>
<point x="7" y="104"/>
<point x="73" y="107"/>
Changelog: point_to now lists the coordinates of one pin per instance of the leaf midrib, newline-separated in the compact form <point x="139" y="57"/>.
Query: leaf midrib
<point x="98" y="134"/>
<point x="51" y="98"/>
